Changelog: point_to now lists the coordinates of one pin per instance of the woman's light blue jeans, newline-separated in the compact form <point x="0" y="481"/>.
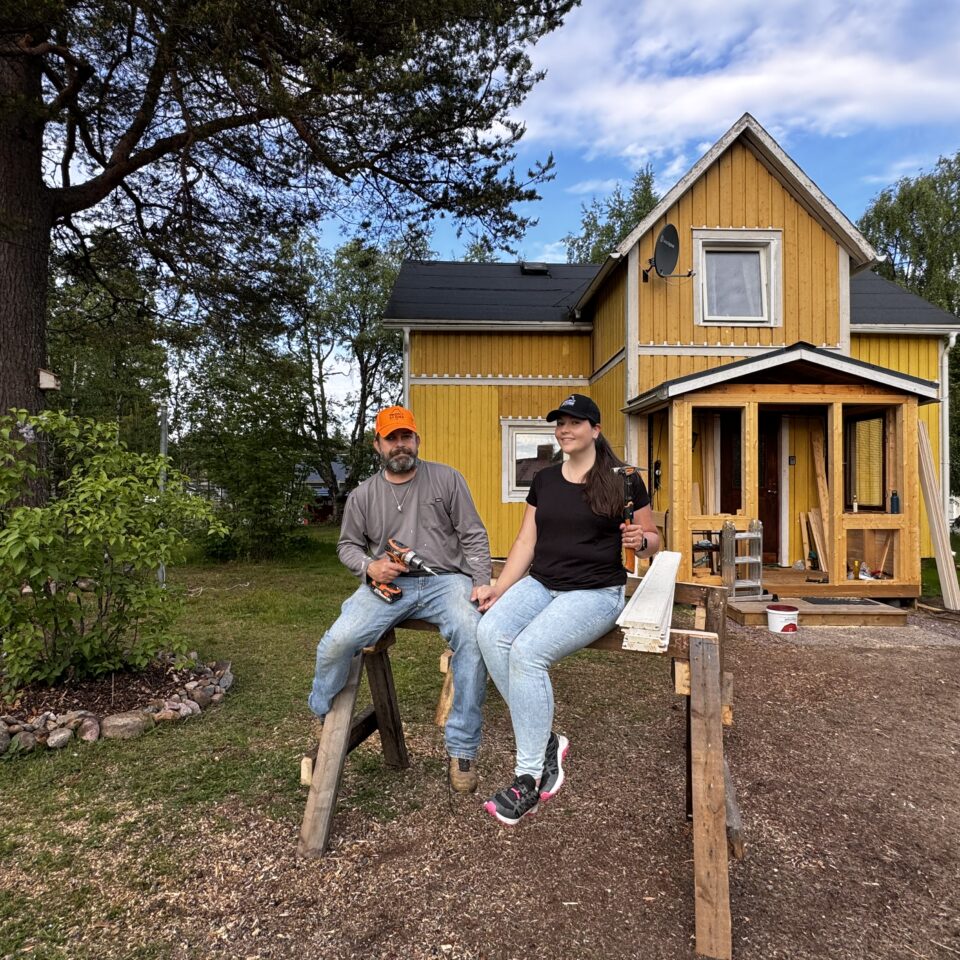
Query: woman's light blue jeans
<point x="522" y="635"/>
<point x="364" y="618"/>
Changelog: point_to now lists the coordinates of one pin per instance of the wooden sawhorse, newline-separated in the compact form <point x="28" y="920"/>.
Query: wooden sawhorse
<point x="697" y="656"/>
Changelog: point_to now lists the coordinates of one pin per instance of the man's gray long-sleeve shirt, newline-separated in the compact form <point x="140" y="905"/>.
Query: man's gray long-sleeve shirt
<point x="438" y="520"/>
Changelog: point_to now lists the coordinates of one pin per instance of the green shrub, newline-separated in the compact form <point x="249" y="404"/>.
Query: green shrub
<point x="78" y="588"/>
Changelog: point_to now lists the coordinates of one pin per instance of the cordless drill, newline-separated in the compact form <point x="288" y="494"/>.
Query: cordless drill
<point x="398" y="553"/>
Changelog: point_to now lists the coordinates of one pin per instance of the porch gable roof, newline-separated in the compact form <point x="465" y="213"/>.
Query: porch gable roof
<point x="807" y="363"/>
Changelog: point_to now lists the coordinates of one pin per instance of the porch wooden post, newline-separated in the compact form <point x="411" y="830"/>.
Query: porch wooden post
<point x="838" y="530"/>
<point x="681" y="467"/>
<point x="910" y="495"/>
<point x="750" y="452"/>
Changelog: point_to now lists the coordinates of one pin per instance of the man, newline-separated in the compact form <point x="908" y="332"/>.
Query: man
<point x="425" y="506"/>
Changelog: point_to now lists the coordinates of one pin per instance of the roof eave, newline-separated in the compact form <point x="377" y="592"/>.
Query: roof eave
<point x="488" y="326"/>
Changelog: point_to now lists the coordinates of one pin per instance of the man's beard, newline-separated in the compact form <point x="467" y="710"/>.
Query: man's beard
<point x="401" y="462"/>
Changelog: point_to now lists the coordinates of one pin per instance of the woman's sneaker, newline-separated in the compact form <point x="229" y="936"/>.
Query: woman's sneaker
<point x="513" y="803"/>
<point x="551" y="780"/>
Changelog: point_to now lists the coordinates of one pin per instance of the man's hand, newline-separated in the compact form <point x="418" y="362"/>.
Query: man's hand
<point x="385" y="570"/>
<point x="485" y="597"/>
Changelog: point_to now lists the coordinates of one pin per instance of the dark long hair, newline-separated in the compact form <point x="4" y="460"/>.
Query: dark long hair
<point x="603" y="489"/>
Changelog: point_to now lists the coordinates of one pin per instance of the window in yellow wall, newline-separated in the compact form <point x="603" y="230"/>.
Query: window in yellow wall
<point x="863" y="469"/>
<point x="528" y="446"/>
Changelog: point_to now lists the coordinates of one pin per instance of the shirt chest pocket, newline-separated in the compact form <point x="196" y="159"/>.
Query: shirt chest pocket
<point x="434" y="516"/>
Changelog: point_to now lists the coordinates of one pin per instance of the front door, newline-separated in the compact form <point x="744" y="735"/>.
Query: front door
<point x="769" y="483"/>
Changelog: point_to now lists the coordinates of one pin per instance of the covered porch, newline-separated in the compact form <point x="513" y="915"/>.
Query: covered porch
<point x="820" y="448"/>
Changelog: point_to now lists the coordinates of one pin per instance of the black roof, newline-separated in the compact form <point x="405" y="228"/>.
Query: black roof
<point x="455" y="291"/>
<point x="477" y="292"/>
<point x="874" y="299"/>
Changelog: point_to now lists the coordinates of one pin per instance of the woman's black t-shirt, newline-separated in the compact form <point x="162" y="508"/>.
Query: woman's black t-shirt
<point x="576" y="548"/>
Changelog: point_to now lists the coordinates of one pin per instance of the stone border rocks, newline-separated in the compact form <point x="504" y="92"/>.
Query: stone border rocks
<point x="55" y="731"/>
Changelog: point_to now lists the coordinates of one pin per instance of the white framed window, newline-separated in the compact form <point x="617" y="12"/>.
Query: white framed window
<point x="738" y="277"/>
<point x="527" y="447"/>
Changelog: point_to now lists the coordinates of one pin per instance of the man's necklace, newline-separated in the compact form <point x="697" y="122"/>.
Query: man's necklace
<point x="406" y="493"/>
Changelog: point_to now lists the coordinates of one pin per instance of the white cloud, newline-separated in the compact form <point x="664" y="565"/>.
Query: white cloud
<point x="553" y="252"/>
<point x="650" y="82"/>
<point x="904" y="167"/>
<point x="592" y="186"/>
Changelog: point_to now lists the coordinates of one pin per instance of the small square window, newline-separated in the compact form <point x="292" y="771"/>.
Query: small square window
<point x="528" y="447"/>
<point x="738" y="277"/>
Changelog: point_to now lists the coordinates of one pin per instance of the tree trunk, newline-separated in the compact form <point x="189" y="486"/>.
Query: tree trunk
<point x="25" y="224"/>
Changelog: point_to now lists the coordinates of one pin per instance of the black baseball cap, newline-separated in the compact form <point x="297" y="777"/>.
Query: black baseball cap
<point x="579" y="406"/>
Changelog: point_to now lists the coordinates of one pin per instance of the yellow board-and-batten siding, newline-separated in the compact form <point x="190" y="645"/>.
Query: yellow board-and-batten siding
<point x="500" y="355"/>
<point x="739" y="192"/>
<point x="609" y="316"/>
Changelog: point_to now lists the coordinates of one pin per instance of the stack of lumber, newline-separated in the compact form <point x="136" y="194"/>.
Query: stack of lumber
<point x="946" y="566"/>
<point x="645" y="619"/>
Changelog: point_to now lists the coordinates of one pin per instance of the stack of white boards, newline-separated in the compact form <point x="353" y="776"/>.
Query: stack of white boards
<point x="645" y="619"/>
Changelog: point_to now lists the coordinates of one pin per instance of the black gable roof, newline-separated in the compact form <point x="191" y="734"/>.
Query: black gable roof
<point x="875" y="300"/>
<point x="487" y="292"/>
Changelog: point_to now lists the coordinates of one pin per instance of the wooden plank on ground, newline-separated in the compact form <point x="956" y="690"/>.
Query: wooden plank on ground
<point x="711" y="878"/>
<point x="322" y="799"/>
<point x="805" y="539"/>
<point x="819" y="538"/>
<point x="823" y="491"/>
<point x="734" y="821"/>
<point x="946" y="566"/>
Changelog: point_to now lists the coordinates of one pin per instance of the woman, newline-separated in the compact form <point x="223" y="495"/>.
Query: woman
<point x="572" y="534"/>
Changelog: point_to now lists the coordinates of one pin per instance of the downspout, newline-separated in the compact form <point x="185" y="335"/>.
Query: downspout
<point x="945" y="425"/>
<point x="406" y="367"/>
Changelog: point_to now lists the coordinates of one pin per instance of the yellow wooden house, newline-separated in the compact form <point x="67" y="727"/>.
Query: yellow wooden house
<point x="747" y="360"/>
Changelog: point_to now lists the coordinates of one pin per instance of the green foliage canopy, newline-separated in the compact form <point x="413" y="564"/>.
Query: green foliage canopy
<point x="604" y="223"/>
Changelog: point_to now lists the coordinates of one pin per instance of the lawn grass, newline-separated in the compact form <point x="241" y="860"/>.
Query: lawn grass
<point x="929" y="578"/>
<point x="79" y="818"/>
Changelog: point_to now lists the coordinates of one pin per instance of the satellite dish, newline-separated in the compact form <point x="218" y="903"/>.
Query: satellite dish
<point x="667" y="251"/>
<point x="665" y="255"/>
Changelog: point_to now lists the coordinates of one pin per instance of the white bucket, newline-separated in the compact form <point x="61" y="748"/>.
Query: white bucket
<point x="782" y="618"/>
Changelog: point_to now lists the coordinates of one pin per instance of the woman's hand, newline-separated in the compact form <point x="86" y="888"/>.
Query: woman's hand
<point x="485" y="596"/>
<point x="642" y="542"/>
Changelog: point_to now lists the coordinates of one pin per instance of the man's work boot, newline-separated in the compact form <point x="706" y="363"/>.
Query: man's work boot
<point x="463" y="775"/>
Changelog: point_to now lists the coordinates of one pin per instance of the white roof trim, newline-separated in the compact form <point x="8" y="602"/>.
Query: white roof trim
<point x="936" y="329"/>
<point x="856" y="242"/>
<point x="710" y="378"/>
<point x="491" y="326"/>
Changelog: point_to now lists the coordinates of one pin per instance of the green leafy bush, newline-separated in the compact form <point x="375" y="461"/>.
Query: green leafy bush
<point x="78" y="588"/>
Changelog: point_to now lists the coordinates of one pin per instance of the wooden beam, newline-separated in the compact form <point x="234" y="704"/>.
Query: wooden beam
<point x="384" y="696"/>
<point x="805" y="539"/>
<point x="734" y="821"/>
<point x="711" y="879"/>
<point x="322" y="799"/>
<point x="445" y="703"/>
<point x="946" y="565"/>
<point x="823" y="495"/>
<point x="836" y="535"/>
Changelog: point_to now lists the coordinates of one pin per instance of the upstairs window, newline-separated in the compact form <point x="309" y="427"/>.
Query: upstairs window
<point x="738" y="278"/>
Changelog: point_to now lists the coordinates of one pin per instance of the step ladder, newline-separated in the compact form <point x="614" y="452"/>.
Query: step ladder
<point x="741" y="560"/>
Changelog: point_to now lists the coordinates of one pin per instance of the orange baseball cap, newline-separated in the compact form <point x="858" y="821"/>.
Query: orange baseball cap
<point x="394" y="418"/>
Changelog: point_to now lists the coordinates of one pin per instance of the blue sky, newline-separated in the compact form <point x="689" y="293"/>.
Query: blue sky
<point x="858" y="93"/>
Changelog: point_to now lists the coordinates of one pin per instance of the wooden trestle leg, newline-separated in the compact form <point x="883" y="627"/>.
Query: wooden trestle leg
<point x="711" y="879"/>
<point x="342" y="732"/>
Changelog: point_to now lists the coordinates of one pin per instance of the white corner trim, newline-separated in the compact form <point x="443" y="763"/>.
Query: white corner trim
<point x="843" y="281"/>
<point x="406" y="366"/>
<point x="631" y="373"/>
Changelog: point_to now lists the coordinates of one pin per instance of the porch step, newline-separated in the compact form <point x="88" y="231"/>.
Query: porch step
<point x="753" y="613"/>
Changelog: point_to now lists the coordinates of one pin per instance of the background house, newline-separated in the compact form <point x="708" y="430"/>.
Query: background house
<point x="768" y="340"/>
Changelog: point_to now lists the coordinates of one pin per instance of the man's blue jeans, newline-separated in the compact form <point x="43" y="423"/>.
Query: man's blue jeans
<point x="364" y="618"/>
<point x="522" y="635"/>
